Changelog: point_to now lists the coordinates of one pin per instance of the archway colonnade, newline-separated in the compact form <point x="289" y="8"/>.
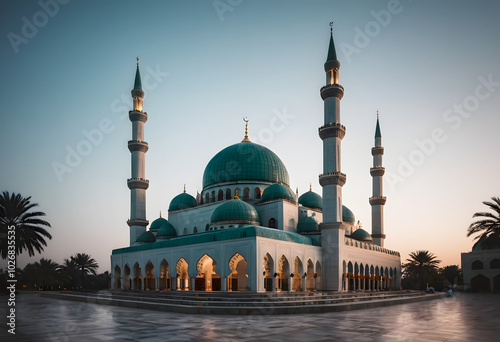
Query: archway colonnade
<point x="367" y="277"/>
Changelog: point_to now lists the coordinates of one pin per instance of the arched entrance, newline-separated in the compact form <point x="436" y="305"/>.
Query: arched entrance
<point x="237" y="280"/>
<point x="150" y="282"/>
<point x="283" y="273"/>
<point x="182" y="275"/>
<point x="118" y="274"/>
<point x="350" y="276"/>
<point x="268" y="272"/>
<point x="127" y="282"/>
<point x="137" y="277"/>
<point x="165" y="279"/>
<point x="318" y="277"/>
<point x="298" y="270"/>
<point x="310" y="276"/>
<point x="480" y="284"/>
<point x="207" y="279"/>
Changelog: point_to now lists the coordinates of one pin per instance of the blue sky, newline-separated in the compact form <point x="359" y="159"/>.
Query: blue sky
<point x="430" y="68"/>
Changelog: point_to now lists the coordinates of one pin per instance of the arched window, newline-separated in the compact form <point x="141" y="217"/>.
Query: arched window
<point x="477" y="265"/>
<point x="257" y="193"/>
<point x="195" y="230"/>
<point x="213" y="197"/>
<point x="272" y="223"/>
<point x="185" y="232"/>
<point x="495" y="263"/>
<point x="207" y="198"/>
<point x="228" y="194"/>
<point x="220" y="195"/>
<point x="246" y="193"/>
<point x="206" y="227"/>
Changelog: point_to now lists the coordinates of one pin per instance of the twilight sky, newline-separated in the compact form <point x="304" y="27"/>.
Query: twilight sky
<point x="430" y="68"/>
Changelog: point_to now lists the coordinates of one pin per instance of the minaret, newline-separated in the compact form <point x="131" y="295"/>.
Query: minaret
<point x="332" y="179"/>
<point x="377" y="201"/>
<point x="138" y="148"/>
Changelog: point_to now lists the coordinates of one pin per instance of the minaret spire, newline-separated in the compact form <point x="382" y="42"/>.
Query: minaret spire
<point x="246" y="139"/>
<point x="332" y="180"/>
<point x="377" y="201"/>
<point x="137" y="183"/>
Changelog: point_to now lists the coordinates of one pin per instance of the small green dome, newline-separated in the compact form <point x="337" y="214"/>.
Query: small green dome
<point x="347" y="215"/>
<point x="311" y="200"/>
<point x="361" y="234"/>
<point x="156" y="224"/>
<point x="278" y="191"/>
<point x="307" y="225"/>
<point x="182" y="201"/>
<point x="146" y="237"/>
<point x="166" y="231"/>
<point x="245" y="161"/>
<point x="236" y="211"/>
<point x="487" y="242"/>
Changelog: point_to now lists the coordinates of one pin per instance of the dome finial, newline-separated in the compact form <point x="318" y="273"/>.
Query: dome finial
<point x="184" y="187"/>
<point x="160" y="213"/>
<point x="331" y="27"/>
<point x="236" y="194"/>
<point x="137" y="61"/>
<point x="310" y="187"/>
<point x="246" y="130"/>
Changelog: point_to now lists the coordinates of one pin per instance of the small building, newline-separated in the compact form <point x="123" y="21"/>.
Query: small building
<point x="481" y="267"/>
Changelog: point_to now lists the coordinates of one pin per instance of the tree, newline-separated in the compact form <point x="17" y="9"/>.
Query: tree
<point x="85" y="264"/>
<point x="451" y="274"/>
<point x="42" y="275"/>
<point x="421" y="267"/>
<point x="29" y="230"/>
<point x="70" y="274"/>
<point x="488" y="225"/>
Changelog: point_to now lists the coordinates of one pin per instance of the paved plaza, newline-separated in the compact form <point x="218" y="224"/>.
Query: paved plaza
<point x="465" y="317"/>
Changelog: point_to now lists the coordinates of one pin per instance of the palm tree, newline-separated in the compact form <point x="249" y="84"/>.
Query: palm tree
<point x="488" y="226"/>
<point x="70" y="273"/>
<point x="85" y="264"/>
<point x="30" y="234"/>
<point x="43" y="274"/>
<point x="422" y="267"/>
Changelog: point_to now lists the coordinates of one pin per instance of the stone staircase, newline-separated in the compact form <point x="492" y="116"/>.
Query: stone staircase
<point x="241" y="303"/>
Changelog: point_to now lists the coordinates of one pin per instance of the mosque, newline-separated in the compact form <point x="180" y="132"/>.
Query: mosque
<point x="247" y="230"/>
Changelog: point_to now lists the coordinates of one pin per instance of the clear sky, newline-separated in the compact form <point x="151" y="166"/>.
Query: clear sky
<point x="430" y="68"/>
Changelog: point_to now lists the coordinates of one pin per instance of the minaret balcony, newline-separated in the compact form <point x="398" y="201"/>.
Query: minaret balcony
<point x="377" y="151"/>
<point x="332" y="178"/>
<point x="378" y="200"/>
<point x="332" y="90"/>
<point x="138" y="145"/>
<point x="377" y="171"/>
<point x="137" y="222"/>
<point x="135" y="115"/>
<point x="332" y="130"/>
<point x="137" y="183"/>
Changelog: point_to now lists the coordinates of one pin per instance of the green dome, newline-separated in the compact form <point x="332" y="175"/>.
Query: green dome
<point x="311" y="200"/>
<point x="245" y="161"/>
<point x="146" y="237"/>
<point x="166" y="231"/>
<point x="182" y="201"/>
<point x="347" y="215"/>
<point x="278" y="191"/>
<point x="361" y="234"/>
<point x="487" y="242"/>
<point x="157" y="224"/>
<point x="236" y="211"/>
<point x="307" y="225"/>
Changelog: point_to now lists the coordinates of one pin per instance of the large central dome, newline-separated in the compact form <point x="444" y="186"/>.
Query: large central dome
<point x="245" y="161"/>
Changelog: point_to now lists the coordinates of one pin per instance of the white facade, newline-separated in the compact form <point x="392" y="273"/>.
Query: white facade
<point x="481" y="270"/>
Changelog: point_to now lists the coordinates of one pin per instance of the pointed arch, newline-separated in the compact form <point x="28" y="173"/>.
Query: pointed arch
<point x="283" y="273"/>
<point x="207" y="279"/>
<point x="228" y="193"/>
<point x="150" y="280"/>
<point x="165" y="279"/>
<point x="298" y="271"/>
<point x="220" y="195"/>
<point x="117" y="277"/>
<point x="272" y="223"/>
<point x="318" y="275"/>
<point x="257" y="193"/>
<point x="237" y="280"/>
<point x="310" y="275"/>
<point x="480" y="283"/>
<point x="195" y="230"/>
<point x="127" y="282"/>
<point x="182" y="276"/>
<point x="268" y="266"/>
<point x="137" y="277"/>
<point x="246" y="193"/>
